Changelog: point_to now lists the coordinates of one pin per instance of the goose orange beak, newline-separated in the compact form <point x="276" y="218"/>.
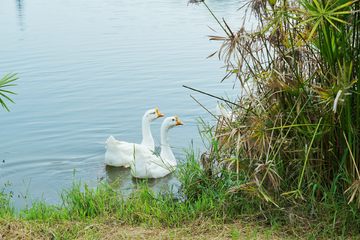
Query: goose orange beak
<point x="178" y="122"/>
<point x="159" y="114"/>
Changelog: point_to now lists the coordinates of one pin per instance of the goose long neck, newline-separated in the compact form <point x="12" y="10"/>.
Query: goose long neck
<point x="164" y="137"/>
<point x="148" y="140"/>
<point x="166" y="152"/>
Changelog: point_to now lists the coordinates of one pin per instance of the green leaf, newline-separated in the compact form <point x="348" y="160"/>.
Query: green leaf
<point x="4" y="83"/>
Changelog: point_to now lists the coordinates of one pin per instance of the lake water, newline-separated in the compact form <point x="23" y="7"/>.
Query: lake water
<point x="89" y="69"/>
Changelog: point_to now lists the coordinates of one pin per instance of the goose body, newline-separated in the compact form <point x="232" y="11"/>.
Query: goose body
<point x="147" y="165"/>
<point x="221" y="111"/>
<point x="120" y="153"/>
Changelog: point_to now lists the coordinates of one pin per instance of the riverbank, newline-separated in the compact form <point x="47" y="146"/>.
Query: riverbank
<point x="115" y="229"/>
<point x="103" y="213"/>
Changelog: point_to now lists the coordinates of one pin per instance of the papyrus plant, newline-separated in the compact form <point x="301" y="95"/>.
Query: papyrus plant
<point x="299" y="124"/>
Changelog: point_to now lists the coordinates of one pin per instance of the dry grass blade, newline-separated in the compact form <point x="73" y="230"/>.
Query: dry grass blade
<point x="266" y="174"/>
<point x="354" y="191"/>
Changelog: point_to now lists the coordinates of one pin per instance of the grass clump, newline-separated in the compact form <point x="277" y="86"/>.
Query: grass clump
<point x="6" y="206"/>
<point x="287" y="150"/>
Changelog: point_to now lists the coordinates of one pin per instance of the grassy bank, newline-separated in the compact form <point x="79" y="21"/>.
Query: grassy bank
<point x="284" y="163"/>
<point x="207" y="211"/>
<point x="101" y="229"/>
<point x="104" y="213"/>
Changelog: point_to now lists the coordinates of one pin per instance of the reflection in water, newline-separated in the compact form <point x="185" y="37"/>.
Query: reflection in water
<point x="120" y="179"/>
<point x="20" y="14"/>
<point x="117" y="176"/>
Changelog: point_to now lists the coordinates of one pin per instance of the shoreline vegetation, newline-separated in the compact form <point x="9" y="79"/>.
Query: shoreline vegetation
<point x="282" y="163"/>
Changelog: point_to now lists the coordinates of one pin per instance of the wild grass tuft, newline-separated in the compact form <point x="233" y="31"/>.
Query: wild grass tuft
<point x="6" y="207"/>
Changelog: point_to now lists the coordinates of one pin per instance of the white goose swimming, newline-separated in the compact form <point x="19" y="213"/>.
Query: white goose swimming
<point x="147" y="165"/>
<point x="120" y="153"/>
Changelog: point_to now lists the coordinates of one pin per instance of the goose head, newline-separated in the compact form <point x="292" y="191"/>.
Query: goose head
<point x="171" y="122"/>
<point x="152" y="114"/>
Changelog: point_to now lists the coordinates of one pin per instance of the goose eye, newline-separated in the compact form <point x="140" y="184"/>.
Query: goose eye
<point x="173" y="119"/>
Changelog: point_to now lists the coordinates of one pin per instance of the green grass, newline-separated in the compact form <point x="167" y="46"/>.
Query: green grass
<point x="207" y="210"/>
<point x="94" y="212"/>
<point x="331" y="217"/>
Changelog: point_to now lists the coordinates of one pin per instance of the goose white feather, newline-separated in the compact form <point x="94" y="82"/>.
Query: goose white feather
<point x="147" y="165"/>
<point x="221" y="111"/>
<point x="249" y="88"/>
<point x="120" y="153"/>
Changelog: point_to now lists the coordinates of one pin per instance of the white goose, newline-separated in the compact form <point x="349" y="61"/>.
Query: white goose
<point x="148" y="165"/>
<point x="221" y="111"/>
<point x="120" y="153"/>
<point x="249" y="88"/>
